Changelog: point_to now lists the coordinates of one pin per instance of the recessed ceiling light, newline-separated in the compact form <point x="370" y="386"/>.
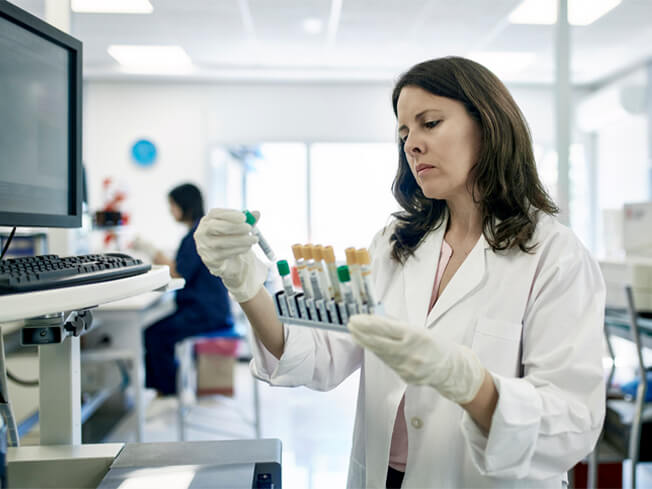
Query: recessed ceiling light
<point x="312" y="25"/>
<point x="151" y="58"/>
<point x="580" y="12"/>
<point x="503" y="63"/>
<point x="111" y="6"/>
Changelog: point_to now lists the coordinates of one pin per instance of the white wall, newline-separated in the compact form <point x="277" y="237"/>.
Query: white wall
<point x="186" y="120"/>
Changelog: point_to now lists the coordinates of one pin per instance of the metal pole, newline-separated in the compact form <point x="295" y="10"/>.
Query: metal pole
<point x="641" y="391"/>
<point x="648" y="98"/>
<point x="562" y="103"/>
<point x="309" y="190"/>
<point x="60" y="393"/>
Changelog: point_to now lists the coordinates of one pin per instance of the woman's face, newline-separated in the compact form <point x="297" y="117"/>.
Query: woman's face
<point x="175" y="210"/>
<point x="441" y="142"/>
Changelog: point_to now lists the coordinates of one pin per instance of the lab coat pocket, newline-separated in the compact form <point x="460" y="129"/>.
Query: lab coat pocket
<point x="498" y="345"/>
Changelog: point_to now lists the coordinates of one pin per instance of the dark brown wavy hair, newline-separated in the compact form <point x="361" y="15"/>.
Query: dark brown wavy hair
<point x="504" y="180"/>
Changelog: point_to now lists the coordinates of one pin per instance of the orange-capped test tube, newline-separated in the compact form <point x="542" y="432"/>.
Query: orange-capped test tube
<point x="364" y="261"/>
<point x="318" y="255"/>
<point x="354" y="270"/>
<point x="331" y="266"/>
<point x="302" y="269"/>
<point x="315" y="279"/>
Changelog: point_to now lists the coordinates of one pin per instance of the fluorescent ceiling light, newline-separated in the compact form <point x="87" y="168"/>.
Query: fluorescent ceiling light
<point x="312" y="25"/>
<point x="580" y="12"/>
<point x="504" y="63"/>
<point x="111" y="6"/>
<point x="151" y="58"/>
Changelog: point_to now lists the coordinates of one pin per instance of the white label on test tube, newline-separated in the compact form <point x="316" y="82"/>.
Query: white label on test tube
<point x="341" y="306"/>
<point x="318" y="255"/>
<point x="304" y="277"/>
<point x="356" y="279"/>
<point x="284" y="271"/>
<point x="329" y="259"/>
<point x="301" y="304"/>
<point x="316" y="286"/>
<point x="364" y="262"/>
<point x="332" y="274"/>
<point x="354" y="272"/>
<point x="347" y="293"/>
<point x="291" y="306"/>
<point x="321" y="307"/>
<point x="283" y="304"/>
<point x="310" y="305"/>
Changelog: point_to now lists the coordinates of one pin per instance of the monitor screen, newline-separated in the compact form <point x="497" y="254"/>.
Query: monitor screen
<point x="39" y="116"/>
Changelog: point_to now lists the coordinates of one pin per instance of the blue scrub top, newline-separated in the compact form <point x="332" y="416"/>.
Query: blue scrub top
<point x="204" y="293"/>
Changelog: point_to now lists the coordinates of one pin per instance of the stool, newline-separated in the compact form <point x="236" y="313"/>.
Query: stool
<point x="187" y="377"/>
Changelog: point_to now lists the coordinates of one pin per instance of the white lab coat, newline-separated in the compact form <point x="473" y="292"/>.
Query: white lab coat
<point x="534" y="320"/>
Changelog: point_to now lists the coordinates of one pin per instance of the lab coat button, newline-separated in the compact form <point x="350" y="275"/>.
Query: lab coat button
<point x="416" y="422"/>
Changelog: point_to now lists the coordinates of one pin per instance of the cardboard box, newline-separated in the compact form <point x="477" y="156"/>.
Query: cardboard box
<point x="215" y="366"/>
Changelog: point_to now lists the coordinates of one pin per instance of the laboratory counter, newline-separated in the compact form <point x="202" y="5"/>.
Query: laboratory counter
<point x="228" y="464"/>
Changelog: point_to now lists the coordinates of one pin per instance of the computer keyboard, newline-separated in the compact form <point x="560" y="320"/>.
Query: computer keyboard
<point x="43" y="272"/>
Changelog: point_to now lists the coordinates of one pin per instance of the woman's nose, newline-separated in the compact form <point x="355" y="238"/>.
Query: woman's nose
<point x="414" y="145"/>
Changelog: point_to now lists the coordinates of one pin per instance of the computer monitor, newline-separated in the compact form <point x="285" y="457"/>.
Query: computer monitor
<point x="40" y="122"/>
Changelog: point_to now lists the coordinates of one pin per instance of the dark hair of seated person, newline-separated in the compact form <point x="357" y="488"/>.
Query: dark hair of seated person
<point x="189" y="199"/>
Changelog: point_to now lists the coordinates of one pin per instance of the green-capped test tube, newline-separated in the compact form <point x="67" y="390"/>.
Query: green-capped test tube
<point x="284" y="272"/>
<point x="345" y="284"/>
<point x="262" y="242"/>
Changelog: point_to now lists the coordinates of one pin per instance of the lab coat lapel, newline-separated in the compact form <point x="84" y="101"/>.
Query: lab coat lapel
<point x="419" y="276"/>
<point x="470" y="274"/>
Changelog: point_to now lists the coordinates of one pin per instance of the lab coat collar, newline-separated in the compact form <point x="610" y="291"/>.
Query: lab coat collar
<point x="419" y="275"/>
<point x="466" y="279"/>
<point x="419" y="278"/>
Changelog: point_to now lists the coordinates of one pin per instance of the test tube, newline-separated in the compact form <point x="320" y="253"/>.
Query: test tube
<point x="350" y="302"/>
<point x="304" y="276"/>
<point x="329" y="258"/>
<point x="284" y="272"/>
<point x="262" y="242"/>
<point x="365" y="272"/>
<point x="318" y="255"/>
<point x="354" y="270"/>
<point x="315" y="280"/>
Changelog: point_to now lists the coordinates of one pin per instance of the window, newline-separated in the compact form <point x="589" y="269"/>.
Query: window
<point x="336" y="194"/>
<point x="350" y="189"/>
<point x="275" y="184"/>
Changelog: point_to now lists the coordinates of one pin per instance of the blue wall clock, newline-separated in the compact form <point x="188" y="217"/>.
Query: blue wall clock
<point x="144" y="152"/>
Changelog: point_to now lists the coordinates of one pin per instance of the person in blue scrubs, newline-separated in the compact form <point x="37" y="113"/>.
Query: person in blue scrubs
<point x="202" y="305"/>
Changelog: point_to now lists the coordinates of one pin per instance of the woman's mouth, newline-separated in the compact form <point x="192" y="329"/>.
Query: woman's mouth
<point x="423" y="168"/>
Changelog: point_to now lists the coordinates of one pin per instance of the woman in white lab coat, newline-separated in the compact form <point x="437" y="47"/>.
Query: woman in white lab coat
<point x="485" y="370"/>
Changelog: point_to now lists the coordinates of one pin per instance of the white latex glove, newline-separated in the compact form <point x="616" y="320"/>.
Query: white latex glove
<point x="224" y="240"/>
<point x="419" y="357"/>
<point x="144" y="246"/>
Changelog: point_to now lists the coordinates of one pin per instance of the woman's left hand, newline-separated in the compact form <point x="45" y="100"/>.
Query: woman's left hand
<point x="420" y="357"/>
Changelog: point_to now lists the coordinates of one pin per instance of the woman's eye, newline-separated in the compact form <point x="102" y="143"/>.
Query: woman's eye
<point x="431" y="124"/>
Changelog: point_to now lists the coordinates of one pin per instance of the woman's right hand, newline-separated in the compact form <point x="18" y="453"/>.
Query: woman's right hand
<point x="224" y="240"/>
